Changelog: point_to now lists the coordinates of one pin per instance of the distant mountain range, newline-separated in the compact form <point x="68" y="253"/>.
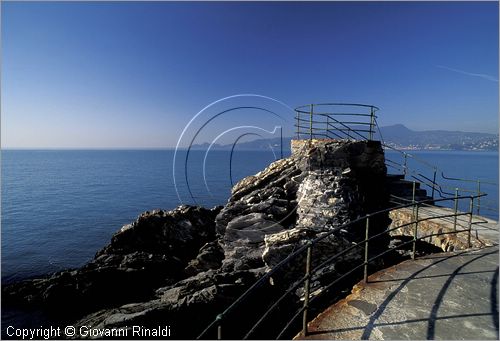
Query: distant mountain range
<point x="397" y="136"/>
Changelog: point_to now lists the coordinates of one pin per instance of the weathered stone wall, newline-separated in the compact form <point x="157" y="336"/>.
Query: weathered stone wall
<point x="449" y="241"/>
<point x="340" y="181"/>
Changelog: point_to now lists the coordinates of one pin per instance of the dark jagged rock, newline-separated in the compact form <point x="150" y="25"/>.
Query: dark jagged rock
<point x="180" y="232"/>
<point x="187" y="306"/>
<point x="209" y="257"/>
<point x="168" y="267"/>
<point x="150" y="252"/>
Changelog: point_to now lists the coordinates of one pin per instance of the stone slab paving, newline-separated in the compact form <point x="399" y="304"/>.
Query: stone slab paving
<point x="441" y="296"/>
<point x="482" y="227"/>
<point x="484" y="231"/>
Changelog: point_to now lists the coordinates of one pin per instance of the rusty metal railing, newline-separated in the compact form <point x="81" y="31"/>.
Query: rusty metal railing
<point x="359" y="122"/>
<point x="306" y="252"/>
<point x="478" y="183"/>
<point x="444" y="186"/>
<point x="335" y="120"/>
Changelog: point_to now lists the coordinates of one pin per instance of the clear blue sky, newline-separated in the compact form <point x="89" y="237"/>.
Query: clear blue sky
<point x="111" y="75"/>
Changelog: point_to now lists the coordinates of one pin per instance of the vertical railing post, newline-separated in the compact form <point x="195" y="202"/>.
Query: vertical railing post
<point x="471" y="207"/>
<point x="413" y="192"/>
<point x="298" y="124"/>
<point x="404" y="163"/>
<point x="371" y="123"/>
<point x="311" y="122"/>
<point x="434" y="183"/>
<point x="456" y="210"/>
<point x="327" y="126"/>
<point x="415" y="232"/>
<point x="478" y="195"/>
<point x="281" y="142"/>
<point x="219" y="326"/>
<point x="367" y="228"/>
<point x="306" y="288"/>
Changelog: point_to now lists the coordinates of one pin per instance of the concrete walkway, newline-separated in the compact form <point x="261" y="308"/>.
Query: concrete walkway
<point x="441" y="296"/>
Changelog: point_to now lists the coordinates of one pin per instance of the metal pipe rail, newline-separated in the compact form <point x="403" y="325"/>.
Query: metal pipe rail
<point x="344" y="120"/>
<point x="436" y="187"/>
<point x="306" y="251"/>
<point x="427" y="209"/>
<point x="326" y="121"/>
<point x="358" y="121"/>
<point x="478" y="183"/>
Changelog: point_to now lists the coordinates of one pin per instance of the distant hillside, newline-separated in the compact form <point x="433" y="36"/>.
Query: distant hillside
<point x="400" y="136"/>
<point x="397" y="136"/>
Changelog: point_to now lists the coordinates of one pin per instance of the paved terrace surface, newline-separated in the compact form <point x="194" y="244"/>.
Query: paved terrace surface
<point x="441" y="296"/>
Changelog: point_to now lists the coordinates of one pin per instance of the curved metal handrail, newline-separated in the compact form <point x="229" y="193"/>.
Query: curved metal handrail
<point x="342" y="104"/>
<point x="323" y="122"/>
<point x="344" y="130"/>
<point x="307" y="248"/>
<point x="488" y="182"/>
<point x="314" y="121"/>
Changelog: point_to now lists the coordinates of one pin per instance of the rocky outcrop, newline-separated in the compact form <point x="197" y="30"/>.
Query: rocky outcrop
<point x="148" y="253"/>
<point x="167" y="266"/>
<point x="340" y="182"/>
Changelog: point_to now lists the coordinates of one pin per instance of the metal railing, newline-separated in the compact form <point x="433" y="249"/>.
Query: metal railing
<point x="427" y="207"/>
<point x="335" y="120"/>
<point x="312" y="270"/>
<point x="359" y="122"/>
<point x="477" y="183"/>
<point x="352" y="121"/>
<point x="440" y="186"/>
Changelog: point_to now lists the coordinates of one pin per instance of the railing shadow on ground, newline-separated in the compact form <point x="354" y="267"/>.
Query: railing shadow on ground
<point x="304" y="254"/>
<point x="431" y="326"/>
<point x="388" y="324"/>
<point x="373" y="322"/>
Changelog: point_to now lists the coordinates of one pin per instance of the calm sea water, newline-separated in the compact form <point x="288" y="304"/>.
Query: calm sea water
<point x="60" y="207"/>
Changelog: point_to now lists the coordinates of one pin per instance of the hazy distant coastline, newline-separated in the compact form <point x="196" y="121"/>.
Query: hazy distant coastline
<point x="397" y="136"/>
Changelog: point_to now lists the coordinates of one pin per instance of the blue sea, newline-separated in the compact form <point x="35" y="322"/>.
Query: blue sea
<point x="59" y="207"/>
